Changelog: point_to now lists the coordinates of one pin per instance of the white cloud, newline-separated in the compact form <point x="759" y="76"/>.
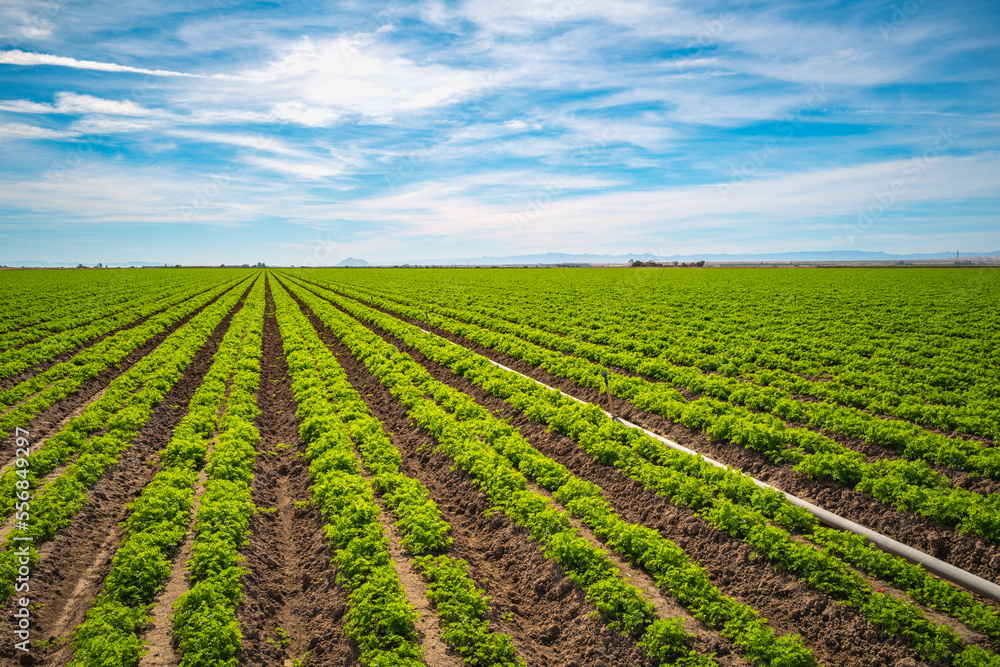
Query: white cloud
<point x="558" y="78"/>
<point x="766" y="209"/>
<point x="27" y="19"/>
<point x="261" y="141"/>
<point x="298" y="113"/>
<point x="313" y="169"/>
<point x="86" y="104"/>
<point x="73" y="103"/>
<point x="317" y="81"/>
<point x="27" y="58"/>
<point x="99" y="124"/>
<point x="26" y="106"/>
<point x="22" y="131"/>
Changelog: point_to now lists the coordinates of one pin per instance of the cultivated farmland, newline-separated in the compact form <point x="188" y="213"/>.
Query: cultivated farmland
<point x="394" y="467"/>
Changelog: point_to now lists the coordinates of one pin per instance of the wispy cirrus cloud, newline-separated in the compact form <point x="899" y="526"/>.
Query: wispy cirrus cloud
<point x="24" y="131"/>
<point x="72" y="103"/>
<point x="27" y="59"/>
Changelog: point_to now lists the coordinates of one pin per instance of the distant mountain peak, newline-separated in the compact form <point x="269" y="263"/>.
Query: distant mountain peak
<point x="350" y="261"/>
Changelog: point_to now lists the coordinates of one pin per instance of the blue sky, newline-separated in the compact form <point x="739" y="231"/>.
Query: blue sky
<point x="302" y="133"/>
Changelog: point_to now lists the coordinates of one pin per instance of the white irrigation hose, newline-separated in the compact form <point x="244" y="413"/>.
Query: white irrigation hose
<point x="933" y="565"/>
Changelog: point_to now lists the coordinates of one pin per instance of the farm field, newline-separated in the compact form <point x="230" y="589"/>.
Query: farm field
<point x="392" y="467"/>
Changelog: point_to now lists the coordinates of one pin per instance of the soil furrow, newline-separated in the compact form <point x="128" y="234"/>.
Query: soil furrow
<point x="66" y="559"/>
<point x="707" y="641"/>
<point x="162" y="652"/>
<point x="836" y="634"/>
<point x="428" y="625"/>
<point x="546" y="615"/>
<point x="289" y="582"/>
<point x="963" y="550"/>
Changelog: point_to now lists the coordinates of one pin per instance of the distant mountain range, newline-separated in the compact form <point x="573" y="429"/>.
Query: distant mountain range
<point x="566" y="258"/>
<point x="820" y="256"/>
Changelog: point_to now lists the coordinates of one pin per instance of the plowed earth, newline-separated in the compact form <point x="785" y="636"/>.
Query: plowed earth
<point x="73" y="565"/>
<point x="294" y="612"/>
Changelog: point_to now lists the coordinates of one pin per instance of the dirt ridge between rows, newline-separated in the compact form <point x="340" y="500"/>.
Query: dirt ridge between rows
<point x="963" y="550"/>
<point x="428" y="625"/>
<point x="75" y="553"/>
<point x="836" y="634"/>
<point x="289" y="581"/>
<point x="546" y="615"/>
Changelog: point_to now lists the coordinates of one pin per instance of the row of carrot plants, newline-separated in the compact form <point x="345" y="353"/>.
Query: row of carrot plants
<point x="867" y="328"/>
<point x="907" y="485"/>
<point x="726" y="499"/>
<point x="161" y="516"/>
<point x="14" y="361"/>
<point x="328" y="404"/>
<point x="121" y="392"/>
<point x="205" y="628"/>
<point x="47" y="388"/>
<point x="381" y="620"/>
<point x="468" y="441"/>
<point x="866" y="384"/>
<point x="36" y="298"/>
<point x="773" y="392"/>
<point x="87" y="319"/>
<point x="121" y="414"/>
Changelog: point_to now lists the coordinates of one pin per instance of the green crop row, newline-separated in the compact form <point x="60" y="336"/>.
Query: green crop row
<point x="115" y="407"/>
<point x="469" y="434"/>
<point x="54" y="384"/>
<point x="775" y="398"/>
<point x="906" y="485"/>
<point x="612" y="443"/>
<point x="328" y="403"/>
<point x="121" y="412"/>
<point x="13" y="361"/>
<point x="115" y="304"/>
<point x="380" y="619"/>
<point x="661" y="359"/>
<point x="914" y="342"/>
<point x="204" y="623"/>
<point x="47" y="301"/>
<point x="111" y="634"/>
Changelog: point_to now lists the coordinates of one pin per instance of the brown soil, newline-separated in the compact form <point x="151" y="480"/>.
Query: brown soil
<point x="73" y="565"/>
<point x="835" y="634"/>
<point x="706" y="641"/>
<point x="428" y="625"/>
<point x="162" y="652"/>
<point x="289" y="581"/>
<point x="963" y="550"/>
<point x="52" y="419"/>
<point x="550" y="620"/>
